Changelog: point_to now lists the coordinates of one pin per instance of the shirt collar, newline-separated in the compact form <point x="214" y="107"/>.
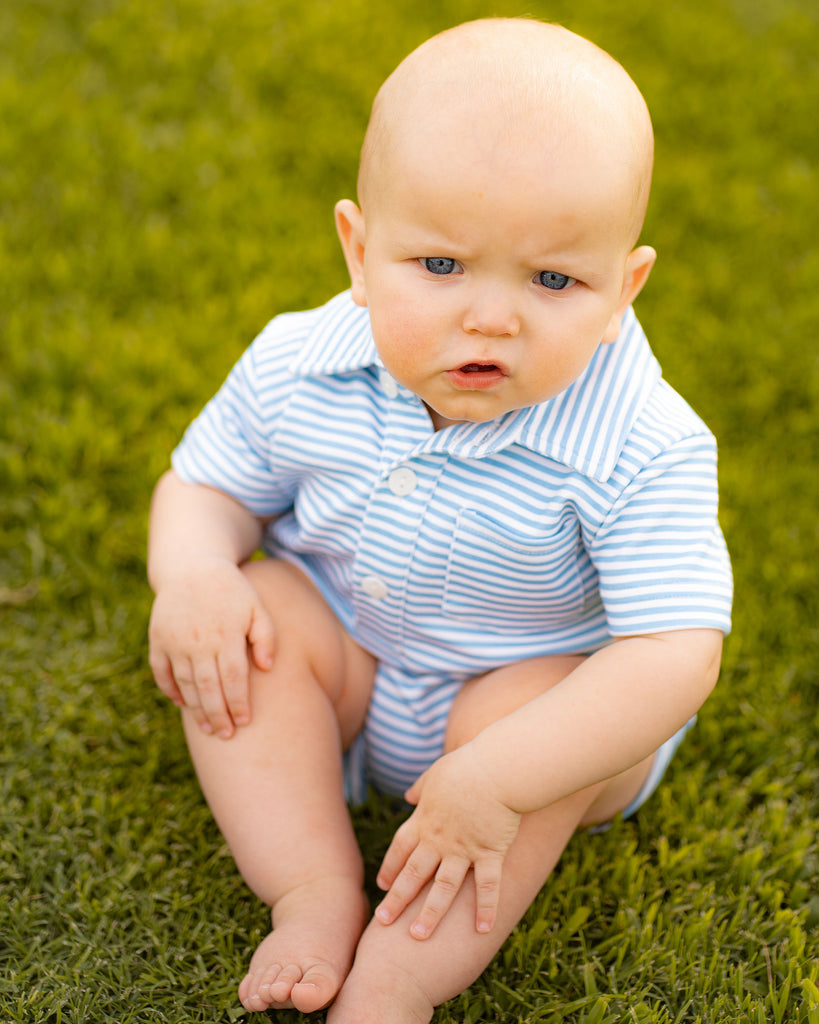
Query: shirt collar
<point x="340" y="341"/>
<point x="584" y="427"/>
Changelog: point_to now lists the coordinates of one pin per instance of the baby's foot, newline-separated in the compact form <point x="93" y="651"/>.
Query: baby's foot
<point x="304" y="960"/>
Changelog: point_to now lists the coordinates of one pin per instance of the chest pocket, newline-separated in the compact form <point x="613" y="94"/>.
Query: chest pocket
<point x="507" y="582"/>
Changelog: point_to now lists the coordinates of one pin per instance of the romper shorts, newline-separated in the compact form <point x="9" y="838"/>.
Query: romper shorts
<point x="404" y="735"/>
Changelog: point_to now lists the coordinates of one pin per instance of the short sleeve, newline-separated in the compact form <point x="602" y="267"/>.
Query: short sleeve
<point x="229" y="445"/>
<point x="660" y="554"/>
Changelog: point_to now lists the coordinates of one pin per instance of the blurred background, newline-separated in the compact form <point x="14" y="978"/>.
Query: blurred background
<point x="167" y="178"/>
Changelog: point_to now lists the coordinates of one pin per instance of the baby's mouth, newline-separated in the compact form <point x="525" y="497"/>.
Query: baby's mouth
<point x="478" y="367"/>
<point x="477" y="376"/>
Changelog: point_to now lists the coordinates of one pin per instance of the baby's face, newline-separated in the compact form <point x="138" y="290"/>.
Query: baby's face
<point x="492" y="279"/>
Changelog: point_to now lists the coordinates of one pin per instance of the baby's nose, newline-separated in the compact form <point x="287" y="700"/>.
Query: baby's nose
<point x="492" y="312"/>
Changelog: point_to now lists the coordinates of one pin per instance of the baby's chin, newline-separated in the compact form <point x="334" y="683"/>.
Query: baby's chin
<point x="441" y="420"/>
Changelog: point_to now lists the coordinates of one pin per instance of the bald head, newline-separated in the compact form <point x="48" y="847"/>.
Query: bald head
<point x="501" y="87"/>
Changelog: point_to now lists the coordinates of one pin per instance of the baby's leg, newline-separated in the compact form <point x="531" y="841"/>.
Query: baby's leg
<point x="275" y="789"/>
<point x="399" y="979"/>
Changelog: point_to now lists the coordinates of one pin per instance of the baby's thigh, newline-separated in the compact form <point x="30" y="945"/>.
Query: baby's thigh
<point x="485" y="699"/>
<point x="312" y="644"/>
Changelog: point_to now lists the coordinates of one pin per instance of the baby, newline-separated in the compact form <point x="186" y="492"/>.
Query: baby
<point x="494" y="580"/>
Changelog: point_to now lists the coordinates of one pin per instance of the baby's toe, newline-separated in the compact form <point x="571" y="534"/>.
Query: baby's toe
<point x="316" y="988"/>
<point x="251" y="998"/>
<point x="254" y="990"/>
<point x="278" y="986"/>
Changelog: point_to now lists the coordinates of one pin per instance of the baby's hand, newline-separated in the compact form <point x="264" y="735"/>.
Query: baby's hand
<point x="457" y="825"/>
<point x="202" y="623"/>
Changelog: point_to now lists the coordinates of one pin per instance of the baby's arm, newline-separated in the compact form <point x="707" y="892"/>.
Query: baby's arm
<point x="609" y="714"/>
<point x="206" y="613"/>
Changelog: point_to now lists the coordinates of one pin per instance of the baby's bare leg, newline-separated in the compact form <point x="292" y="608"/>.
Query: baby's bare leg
<point x="399" y="979"/>
<point x="275" y="789"/>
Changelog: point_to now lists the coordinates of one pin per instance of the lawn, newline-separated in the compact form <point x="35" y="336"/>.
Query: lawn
<point x="167" y="175"/>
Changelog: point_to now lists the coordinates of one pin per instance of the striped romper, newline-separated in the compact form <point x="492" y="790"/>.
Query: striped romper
<point x="550" y="530"/>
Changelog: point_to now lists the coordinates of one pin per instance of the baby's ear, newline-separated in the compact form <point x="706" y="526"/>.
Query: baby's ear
<point x="638" y="266"/>
<point x="350" y="227"/>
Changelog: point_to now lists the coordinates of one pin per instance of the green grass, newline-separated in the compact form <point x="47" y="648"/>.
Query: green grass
<point x="167" y="175"/>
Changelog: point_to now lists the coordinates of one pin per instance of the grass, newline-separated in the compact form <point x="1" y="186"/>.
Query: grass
<point x="167" y="174"/>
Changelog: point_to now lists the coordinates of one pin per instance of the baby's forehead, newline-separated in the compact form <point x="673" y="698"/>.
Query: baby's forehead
<point x="506" y="85"/>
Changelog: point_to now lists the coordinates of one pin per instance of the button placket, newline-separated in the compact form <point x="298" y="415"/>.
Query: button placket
<point x="383" y="564"/>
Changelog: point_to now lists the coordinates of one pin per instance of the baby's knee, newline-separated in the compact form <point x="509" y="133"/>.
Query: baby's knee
<point x="310" y="642"/>
<point x="279" y="584"/>
<point x="299" y="612"/>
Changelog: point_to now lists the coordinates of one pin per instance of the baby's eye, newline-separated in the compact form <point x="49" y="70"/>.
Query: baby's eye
<point x="554" y="281"/>
<point x="439" y="264"/>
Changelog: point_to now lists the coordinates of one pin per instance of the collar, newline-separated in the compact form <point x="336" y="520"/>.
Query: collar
<point x="340" y="340"/>
<point x="584" y="427"/>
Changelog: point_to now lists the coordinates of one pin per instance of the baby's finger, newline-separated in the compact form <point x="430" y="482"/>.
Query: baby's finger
<point x="233" y="672"/>
<point x="448" y="880"/>
<point x="403" y="843"/>
<point x="211" y="699"/>
<point x="487" y="893"/>
<point x="182" y="670"/>
<point x="410" y="881"/>
<point x="262" y="638"/>
<point x="161" y="668"/>
<point x="413" y="794"/>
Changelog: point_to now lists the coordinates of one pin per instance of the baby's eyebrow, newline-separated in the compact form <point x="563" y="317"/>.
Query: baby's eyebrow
<point x="431" y="242"/>
<point x="566" y="261"/>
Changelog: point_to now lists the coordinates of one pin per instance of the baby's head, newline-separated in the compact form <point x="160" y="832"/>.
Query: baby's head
<point x="503" y="184"/>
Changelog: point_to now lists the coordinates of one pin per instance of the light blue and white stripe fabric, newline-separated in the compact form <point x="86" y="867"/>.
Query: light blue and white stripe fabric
<point x="549" y="530"/>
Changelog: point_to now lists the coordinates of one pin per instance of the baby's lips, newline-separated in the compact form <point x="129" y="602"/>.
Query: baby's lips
<point x="477" y="376"/>
<point x="483" y="367"/>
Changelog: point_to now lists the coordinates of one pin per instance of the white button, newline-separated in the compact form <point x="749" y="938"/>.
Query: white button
<point x="388" y="384"/>
<point x="402" y="481"/>
<point x="374" y="587"/>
